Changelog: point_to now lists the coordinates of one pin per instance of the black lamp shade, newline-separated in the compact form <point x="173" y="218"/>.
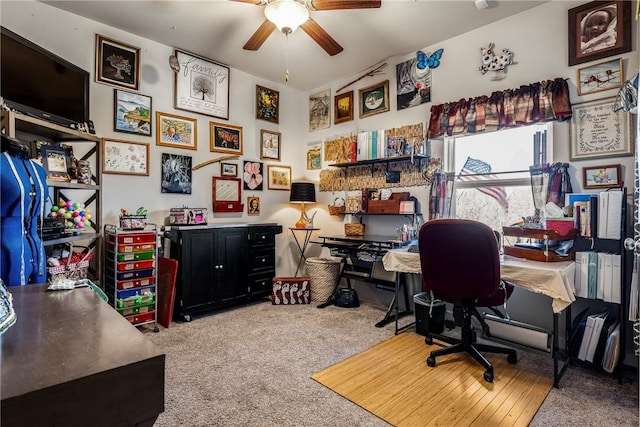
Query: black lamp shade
<point x="304" y="192"/>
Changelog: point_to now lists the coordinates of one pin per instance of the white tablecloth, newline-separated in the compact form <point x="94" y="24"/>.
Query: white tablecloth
<point x="553" y="279"/>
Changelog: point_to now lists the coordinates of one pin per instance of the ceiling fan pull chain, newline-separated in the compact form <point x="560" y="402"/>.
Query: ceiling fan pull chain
<point x="286" y="74"/>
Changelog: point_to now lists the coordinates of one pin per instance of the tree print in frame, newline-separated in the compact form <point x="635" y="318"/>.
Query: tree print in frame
<point x="201" y="86"/>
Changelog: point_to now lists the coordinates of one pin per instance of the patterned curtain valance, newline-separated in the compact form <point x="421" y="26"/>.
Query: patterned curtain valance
<point x="536" y="102"/>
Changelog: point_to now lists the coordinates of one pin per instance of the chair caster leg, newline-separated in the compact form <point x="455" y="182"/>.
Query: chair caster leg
<point x="428" y="340"/>
<point x="488" y="375"/>
<point x="512" y="358"/>
<point x="431" y="361"/>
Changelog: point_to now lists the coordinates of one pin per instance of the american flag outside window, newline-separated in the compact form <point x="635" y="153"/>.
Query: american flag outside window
<point x="477" y="170"/>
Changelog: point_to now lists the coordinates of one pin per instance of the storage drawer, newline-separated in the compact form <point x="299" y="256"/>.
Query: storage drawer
<point x="261" y="282"/>
<point x="132" y="248"/>
<point x="135" y="256"/>
<point x="133" y="274"/>
<point x="140" y="318"/>
<point x="137" y="283"/>
<point x="136" y="296"/>
<point x="132" y="238"/>
<point x="135" y="265"/>
<point x="145" y="308"/>
<point x="261" y="260"/>
<point x="259" y="237"/>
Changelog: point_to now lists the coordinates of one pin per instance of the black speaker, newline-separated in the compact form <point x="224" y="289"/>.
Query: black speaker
<point x="347" y="297"/>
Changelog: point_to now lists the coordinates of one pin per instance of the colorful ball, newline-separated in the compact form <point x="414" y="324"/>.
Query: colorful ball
<point x="62" y="203"/>
<point x="54" y="208"/>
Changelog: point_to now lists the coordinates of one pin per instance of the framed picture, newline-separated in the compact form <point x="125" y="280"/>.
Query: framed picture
<point x="224" y="138"/>
<point x="279" y="177"/>
<point x="176" y="173"/>
<point x="253" y="205"/>
<point x="320" y="110"/>
<point x="599" y="29"/>
<point x="132" y="112"/>
<point x="226" y="194"/>
<point x="269" y="145"/>
<point x="603" y="76"/>
<point x="228" y="169"/>
<point x="314" y="160"/>
<point x="117" y="63"/>
<point x="201" y="85"/>
<point x="267" y="104"/>
<point x="413" y="81"/>
<point x="253" y="175"/>
<point x="598" y="131"/>
<point x="56" y="161"/>
<point x="608" y="176"/>
<point x="125" y="157"/>
<point x="374" y="99"/>
<point x="176" y="131"/>
<point x="343" y="107"/>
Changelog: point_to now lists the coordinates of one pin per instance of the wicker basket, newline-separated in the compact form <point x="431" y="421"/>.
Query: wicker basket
<point x="354" y="229"/>
<point x="323" y="273"/>
<point x="335" y="209"/>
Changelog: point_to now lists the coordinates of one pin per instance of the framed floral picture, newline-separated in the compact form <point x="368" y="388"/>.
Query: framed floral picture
<point x="176" y="173"/>
<point x="267" y="104"/>
<point x="201" y="86"/>
<point x="117" y="63"/>
<point x="225" y="138"/>
<point x="279" y="177"/>
<point x="125" y="157"/>
<point x="269" y="145"/>
<point x="343" y="107"/>
<point x="599" y="29"/>
<point x="374" y="99"/>
<point x="132" y="112"/>
<point x="598" y="131"/>
<point x="253" y="176"/>
<point x="176" y="131"/>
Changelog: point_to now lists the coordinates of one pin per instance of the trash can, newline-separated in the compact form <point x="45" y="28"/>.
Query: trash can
<point x="323" y="273"/>
<point x="424" y="322"/>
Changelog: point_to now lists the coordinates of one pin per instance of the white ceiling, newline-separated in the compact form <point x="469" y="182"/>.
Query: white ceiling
<point x="217" y="29"/>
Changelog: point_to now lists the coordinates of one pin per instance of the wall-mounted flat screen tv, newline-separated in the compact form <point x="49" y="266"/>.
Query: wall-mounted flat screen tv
<point x="39" y="83"/>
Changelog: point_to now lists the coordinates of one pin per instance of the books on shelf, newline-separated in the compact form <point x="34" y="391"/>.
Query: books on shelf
<point x="598" y="329"/>
<point x="597" y="215"/>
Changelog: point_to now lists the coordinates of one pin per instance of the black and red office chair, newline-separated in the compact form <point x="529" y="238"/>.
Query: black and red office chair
<point x="461" y="265"/>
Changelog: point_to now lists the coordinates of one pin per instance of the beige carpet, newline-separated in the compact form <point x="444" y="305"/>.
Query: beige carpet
<point x="392" y="381"/>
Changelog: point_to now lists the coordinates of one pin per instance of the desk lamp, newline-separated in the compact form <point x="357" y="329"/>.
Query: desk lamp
<point x="302" y="192"/>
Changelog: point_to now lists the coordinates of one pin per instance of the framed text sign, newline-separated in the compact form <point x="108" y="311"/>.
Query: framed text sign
<point x="202" y="86"/>
<point x="599" y="131"/>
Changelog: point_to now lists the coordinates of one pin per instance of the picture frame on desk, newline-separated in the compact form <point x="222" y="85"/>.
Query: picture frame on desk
<point x="606" y="176"/>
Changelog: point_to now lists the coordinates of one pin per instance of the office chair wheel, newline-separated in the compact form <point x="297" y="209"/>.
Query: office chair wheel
<point x="488" y="376"/>
<point x="428" y="340"/>
<point x="512" y="358"/>
<point x="431" y="361"/>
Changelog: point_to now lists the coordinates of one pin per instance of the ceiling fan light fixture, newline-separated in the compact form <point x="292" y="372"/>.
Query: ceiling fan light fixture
<point x="287" y="15"/>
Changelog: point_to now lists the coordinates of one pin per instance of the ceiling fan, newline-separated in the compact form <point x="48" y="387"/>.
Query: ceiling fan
<point x="299" y="9"/>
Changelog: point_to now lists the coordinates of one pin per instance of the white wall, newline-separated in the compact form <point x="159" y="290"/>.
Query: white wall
<point x="538" y="37"/>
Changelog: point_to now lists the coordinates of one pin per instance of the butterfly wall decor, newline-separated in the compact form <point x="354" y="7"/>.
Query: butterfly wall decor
<point x="429" y="61"/>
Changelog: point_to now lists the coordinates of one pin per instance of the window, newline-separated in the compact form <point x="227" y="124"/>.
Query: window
<point x="492" y="182"/>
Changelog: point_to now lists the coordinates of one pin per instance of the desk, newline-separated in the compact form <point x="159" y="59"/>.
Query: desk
<point x="553" y="279"/>
<point x="71" y="359"/>
<point x="348" y="247"/>
<point x="302" y="246"/>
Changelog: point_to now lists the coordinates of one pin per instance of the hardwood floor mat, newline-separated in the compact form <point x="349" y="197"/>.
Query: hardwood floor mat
<point x="392" y="381"/>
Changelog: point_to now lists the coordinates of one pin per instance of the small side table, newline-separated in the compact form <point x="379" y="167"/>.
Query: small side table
<point x="302" y="246"/>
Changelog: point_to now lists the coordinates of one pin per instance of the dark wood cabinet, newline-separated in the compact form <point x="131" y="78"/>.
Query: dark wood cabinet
<point x="220" y="266"/>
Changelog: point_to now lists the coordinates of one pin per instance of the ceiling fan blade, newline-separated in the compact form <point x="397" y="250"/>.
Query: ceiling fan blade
<point x="344" y="4"/>
<point x="256" y="2"/>
<point x="260" y="36"/>
<point x="320" y="36"/>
